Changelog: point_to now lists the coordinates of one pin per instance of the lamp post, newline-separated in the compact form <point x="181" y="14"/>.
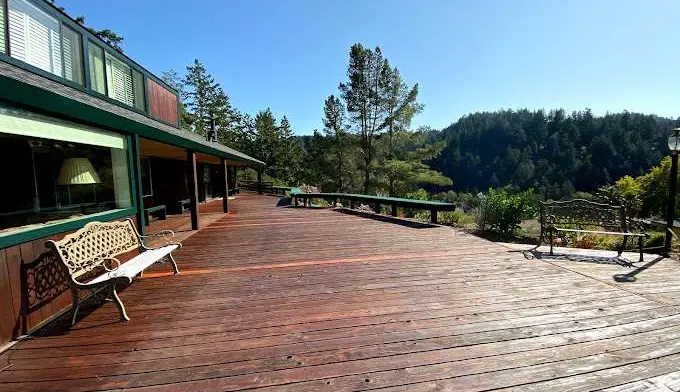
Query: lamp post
<point x="674" y="146"/>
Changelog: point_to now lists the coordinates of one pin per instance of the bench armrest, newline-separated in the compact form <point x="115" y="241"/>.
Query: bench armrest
<point x="165" y="235"/>
<point x="636" y="225"/>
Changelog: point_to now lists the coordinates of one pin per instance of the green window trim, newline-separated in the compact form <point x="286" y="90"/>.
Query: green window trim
<point x="31" y="234"/>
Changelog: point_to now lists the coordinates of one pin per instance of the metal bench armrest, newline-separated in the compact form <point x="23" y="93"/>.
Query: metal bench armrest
<point x="166" y="235"/>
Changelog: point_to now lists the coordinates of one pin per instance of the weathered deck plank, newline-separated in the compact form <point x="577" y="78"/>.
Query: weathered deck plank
<point x="286" y="299"/>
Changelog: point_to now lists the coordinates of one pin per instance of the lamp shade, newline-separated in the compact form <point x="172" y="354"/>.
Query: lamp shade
<point x="674" y="140"/>
<point x="77" y="171"/>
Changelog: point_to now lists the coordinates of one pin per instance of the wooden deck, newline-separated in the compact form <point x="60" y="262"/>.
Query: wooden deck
<point x="292" y="299"/>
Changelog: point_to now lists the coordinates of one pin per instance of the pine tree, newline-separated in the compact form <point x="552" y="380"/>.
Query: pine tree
<point x="334" y="127"/>
<point x="289" y="157"/>
<point x="364" y="101"/>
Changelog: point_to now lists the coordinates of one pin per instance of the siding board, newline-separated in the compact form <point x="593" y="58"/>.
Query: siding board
<point x="162" y="103"/>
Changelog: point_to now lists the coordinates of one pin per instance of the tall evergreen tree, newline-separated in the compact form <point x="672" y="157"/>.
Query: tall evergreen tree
<point x="334" y="127"/>
<point x="363" y="95"/>
<point x="206" y="100"/>
<point x="289" y="156"/>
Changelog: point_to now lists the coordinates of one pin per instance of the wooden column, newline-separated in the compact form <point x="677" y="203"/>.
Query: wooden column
<point x="259" y="180"/>
<point x="136" y="178"/>
<point x="225" y="171"/>
<point x="193" y="188"/>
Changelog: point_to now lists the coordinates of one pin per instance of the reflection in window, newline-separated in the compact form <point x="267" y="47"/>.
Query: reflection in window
<point x="55" y="180"/>
<point x="97" y="77"/>
<point x="73" y="55"/>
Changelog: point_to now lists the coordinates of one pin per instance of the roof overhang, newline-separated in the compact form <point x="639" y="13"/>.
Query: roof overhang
<point x="21" y="87"/>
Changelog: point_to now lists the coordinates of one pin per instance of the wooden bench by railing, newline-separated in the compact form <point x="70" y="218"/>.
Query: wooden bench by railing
<point x="377" y="201"/>
<point x="583" y="216"/>
<point x="89" y="255"/>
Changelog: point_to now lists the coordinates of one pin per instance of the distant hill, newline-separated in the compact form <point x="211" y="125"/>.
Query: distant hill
<point x="555" y="150"/>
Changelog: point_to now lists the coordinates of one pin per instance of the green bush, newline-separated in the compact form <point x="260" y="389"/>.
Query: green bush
<point x="502" y="212"/>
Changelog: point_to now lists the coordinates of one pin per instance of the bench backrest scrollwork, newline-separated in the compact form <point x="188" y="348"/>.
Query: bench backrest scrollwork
<point x="581" y="213"/>
<point x="89" y="247"/>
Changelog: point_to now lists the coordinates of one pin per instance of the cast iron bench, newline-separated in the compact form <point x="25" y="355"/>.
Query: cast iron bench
<point x="583" y="216"/>
<point x="159" y="208"/>
<point x="89" y="255"/>
<point x="184" y="205"/>
<point x="377" y="201"/>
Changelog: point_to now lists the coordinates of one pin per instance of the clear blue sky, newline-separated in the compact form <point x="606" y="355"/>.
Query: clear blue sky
<point x="472" y="55"/>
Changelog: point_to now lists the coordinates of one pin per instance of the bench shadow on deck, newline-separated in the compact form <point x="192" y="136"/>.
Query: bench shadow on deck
<point x="294" y="299"/>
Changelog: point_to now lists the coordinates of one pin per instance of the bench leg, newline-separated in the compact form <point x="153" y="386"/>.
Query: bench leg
<point x="119" y="304"/>
<point x="164" y="214"/>
<point x="394" y="210"/>
<point x="351" y="204"/>
<point x="623" y="245"/>
<point x="174" y="264"/>
<point x="550" y="239"/>
<point x="433" y="216"/>
<point x="75" y="305"/>
<point x="147" y="218"/>
<point x="641" y="242"/>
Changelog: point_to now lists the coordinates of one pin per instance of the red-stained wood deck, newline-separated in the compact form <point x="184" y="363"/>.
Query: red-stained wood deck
<point x="292" y="299"/>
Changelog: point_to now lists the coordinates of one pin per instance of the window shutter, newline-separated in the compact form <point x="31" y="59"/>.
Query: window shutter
<point x="120" y="81"/>
<point x="17" y="32"/>
<point x="34" y="37"/>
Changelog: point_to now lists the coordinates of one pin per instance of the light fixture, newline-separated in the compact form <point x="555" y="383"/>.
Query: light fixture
<point x="78" y="171"/>
<point x="674" y="141"/>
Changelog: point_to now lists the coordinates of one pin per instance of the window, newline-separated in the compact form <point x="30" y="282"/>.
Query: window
<point x="40" y="40"/>
<point x="61" y="170"/>
<point x="119" y="80"/>
<point x="3" y="49"/>
<point x="138" y="86"/>
<point x="73" y="55"/>
<point x="34" y="37"/>
<point x="96" y="59"/>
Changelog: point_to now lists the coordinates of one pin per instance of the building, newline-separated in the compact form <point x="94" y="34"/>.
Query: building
<point x="86" y="134"/>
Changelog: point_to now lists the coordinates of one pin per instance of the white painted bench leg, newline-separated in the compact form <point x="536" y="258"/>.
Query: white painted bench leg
<point x="174" y="264"/>
<point x="75" y="305"/>
<point x="119" y="303"/>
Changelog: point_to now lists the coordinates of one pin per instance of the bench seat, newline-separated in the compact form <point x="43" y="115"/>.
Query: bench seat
<point x="136" y="265"/>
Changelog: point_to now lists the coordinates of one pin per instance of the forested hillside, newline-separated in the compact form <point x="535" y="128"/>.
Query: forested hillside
<point x="554" y="150"/>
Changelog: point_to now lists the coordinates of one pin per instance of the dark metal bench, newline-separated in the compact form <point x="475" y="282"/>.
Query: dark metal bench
<point x="233" y="191"/>
<point x="163" y="215"/>
<point x="583" y="216"/>
<point x="377" y="201"/>
<point x="184" y="205"/>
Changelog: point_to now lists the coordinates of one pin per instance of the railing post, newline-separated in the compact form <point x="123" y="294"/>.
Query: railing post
<point x="225" y="171"/>
<point x="193" y="188"/>
<point x="394" y="210"/>
<point x="433" y="216"/>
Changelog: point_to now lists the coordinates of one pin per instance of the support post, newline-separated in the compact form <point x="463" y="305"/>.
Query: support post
<point x="225" y="171"/>
<point x="433" y="216"/>
<point x="135" y="158"/>
<point x="193" y="188"/>
<point x="259" y="180"/>
<point x="394" y="210"/>
<point x="670" y="212"/>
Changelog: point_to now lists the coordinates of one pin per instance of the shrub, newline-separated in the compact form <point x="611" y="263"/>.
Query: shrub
<point x="502" y="211"/>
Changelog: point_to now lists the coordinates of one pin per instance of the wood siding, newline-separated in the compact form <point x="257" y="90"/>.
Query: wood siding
<point x="32" y="279"/>
<point x="162" y="103"/>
